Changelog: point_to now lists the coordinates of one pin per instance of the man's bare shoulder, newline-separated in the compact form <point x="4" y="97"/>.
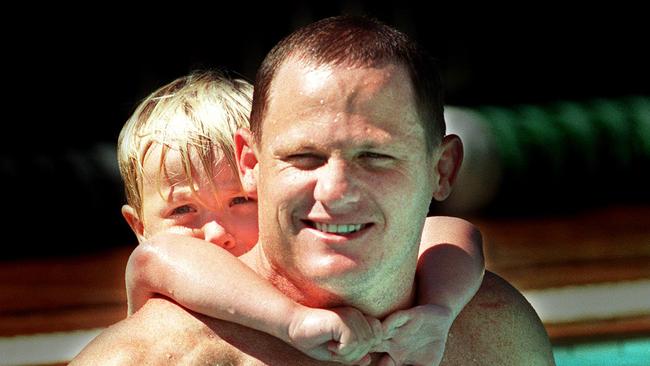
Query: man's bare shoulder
<point x="498" y="327"/>
<point x="161" y="332"/>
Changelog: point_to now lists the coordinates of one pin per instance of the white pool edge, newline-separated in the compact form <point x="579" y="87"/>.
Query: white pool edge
<point x="45" y="348"/>
<point x="591" y="302"/>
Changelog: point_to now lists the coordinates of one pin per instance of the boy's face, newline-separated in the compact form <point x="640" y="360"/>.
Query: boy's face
<point x="225" y="217"/>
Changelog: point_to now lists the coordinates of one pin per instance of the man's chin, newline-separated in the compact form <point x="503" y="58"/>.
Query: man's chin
<point x="330" y="286"/>
<point x="333" y="271"/>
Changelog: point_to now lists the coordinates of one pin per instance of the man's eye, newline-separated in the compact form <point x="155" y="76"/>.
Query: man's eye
<point x="306" y="161"/>
<point x="373" y="155"/>
<point x="182" y="210"/>
<point x="238" y="201"/>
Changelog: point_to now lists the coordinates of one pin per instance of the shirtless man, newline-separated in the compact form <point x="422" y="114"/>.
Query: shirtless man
<point x="346" y="130"/>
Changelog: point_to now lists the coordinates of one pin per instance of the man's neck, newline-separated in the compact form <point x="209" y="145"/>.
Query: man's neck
<point x="378" y="303"/>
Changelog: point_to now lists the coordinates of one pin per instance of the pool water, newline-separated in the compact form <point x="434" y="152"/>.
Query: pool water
<point x="625" y="352"/>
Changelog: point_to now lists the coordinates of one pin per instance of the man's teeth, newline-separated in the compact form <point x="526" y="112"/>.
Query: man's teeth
<point x="338" y="229"/>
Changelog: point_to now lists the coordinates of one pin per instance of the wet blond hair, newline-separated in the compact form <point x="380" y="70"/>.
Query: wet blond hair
<point x="196" y="113"/>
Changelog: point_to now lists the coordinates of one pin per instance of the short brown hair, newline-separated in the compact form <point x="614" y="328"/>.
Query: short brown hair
<point x="356" y="41"/>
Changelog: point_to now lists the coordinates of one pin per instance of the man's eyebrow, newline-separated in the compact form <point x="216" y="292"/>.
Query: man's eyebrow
<point x="294" y="146"/>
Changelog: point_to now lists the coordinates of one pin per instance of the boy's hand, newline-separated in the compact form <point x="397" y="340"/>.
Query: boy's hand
<point x="415" y="336"/>
<point x="341" y="334"/>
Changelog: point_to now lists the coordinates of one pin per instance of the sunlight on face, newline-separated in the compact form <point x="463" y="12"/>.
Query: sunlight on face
<point x="315" y="79"/>
<point x="344" y="179"/>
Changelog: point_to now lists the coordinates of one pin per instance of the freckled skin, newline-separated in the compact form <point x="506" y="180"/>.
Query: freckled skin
<point x="498" y="327"/>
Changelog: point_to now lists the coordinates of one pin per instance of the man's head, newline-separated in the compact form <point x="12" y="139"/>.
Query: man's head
<point x="176" y="158"/>
<point x="345" y="163"/>
<point x="355" y="42"/>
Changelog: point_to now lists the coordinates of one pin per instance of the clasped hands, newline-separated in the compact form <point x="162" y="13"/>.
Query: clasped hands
<point x="415" y="336"/>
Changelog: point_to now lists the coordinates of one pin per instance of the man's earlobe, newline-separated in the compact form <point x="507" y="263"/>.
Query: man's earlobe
<point x="131" y="217"/>
<point x="246" y="160"/>
<point x="448" y="165"/>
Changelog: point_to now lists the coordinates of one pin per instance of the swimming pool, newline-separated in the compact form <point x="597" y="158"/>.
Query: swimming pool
<point x="625" y="352"/>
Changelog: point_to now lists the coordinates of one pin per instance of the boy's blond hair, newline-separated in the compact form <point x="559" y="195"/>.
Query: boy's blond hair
<point x="198" y="112"/>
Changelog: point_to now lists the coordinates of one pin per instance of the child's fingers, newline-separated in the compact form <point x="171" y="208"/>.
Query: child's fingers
<point x="347" y="354"/>
<point x="387" y="361"/>
<point x="395" y="354"/>
<point x="364" y="361"/>
<point x="352" y="346"/>
<point x="393" y="322"/>
<point x="437" y="358"/>
<point x="376" y="329"/>
<point x="358" y="327"/>
<point x="383" y="346"/>
<point x="338" y="348"/>
<point x="321" y="353"/>
<point x="353" y="358"/>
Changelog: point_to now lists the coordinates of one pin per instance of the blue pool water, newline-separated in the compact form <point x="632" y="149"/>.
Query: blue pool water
<point x="627" y="352"/>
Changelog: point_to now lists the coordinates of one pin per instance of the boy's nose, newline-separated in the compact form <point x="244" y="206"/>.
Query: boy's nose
<point x="217" y="234"/>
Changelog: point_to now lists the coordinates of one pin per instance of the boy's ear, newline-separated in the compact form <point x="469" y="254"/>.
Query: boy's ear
<point x="450" y="157"/>
<point x="131" y="217"/>
<point x="246" y="161"/>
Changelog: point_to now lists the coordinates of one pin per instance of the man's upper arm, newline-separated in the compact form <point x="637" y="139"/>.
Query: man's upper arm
<point x="161" y="332"/>
<point x="498" y="327"/>
<point x="114" y="346"/>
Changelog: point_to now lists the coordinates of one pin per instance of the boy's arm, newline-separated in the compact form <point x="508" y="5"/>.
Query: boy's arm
<point x="450" y="265"/>
<point x="209" y="280"/>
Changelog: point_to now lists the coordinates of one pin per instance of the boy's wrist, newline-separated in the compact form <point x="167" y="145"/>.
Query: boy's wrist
<point x="289" y="323"/>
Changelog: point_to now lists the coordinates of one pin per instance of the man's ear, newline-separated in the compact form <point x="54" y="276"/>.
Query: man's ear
<point x="131" y="217"/>
<point x="246" y="161"/>
<point x="450" y="157"/>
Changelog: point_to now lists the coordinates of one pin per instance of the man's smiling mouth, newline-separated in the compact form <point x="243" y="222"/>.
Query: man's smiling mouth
<point x="335" y="228"/>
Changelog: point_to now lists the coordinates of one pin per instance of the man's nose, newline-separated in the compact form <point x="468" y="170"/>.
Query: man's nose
<point x="336" y="187"/>
<point x="217" y="234"/>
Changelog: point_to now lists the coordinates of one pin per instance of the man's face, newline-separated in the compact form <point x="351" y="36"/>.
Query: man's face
<point x="344" y="176"/>
<point x="222" y="216"/>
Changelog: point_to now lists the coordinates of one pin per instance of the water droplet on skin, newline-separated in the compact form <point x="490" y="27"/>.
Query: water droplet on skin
<point x="322" y="101"/>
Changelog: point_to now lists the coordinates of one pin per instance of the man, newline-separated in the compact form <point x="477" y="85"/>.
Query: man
<point x="346" y="149"/>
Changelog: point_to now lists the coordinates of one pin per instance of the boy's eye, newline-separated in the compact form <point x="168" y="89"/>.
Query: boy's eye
<point x="182" y="210"/>
<point x="237" y="201"/>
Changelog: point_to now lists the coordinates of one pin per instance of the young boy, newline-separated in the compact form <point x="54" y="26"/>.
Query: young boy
<point x="177" y="161"/>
